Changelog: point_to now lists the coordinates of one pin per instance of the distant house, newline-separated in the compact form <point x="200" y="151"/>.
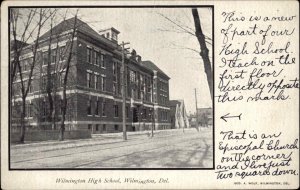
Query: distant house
<point x="205" y="116"/>
<point x="192" y="120"/>
<point x="179" y="118"/>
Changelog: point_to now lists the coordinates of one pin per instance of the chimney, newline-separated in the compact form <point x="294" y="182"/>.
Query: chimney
<point x="138" y="58"/>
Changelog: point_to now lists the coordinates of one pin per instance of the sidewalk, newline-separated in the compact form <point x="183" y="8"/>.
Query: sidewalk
<point x="97" y="139"/>
<point x="173" y="148"/>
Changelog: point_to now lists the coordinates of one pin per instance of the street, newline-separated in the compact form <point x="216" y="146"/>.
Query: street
<point x="167" y="149"/>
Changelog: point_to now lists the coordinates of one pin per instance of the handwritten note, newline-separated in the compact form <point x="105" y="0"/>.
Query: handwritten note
<point x="254" y="56"/>
<point x="240" y="158"/>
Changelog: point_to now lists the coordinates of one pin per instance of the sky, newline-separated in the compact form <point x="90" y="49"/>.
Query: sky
<point x="157" y="39"/>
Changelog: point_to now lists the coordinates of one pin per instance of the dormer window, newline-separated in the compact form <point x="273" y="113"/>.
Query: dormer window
<point x="110" y="34"/>
<point x="114" y="36"/>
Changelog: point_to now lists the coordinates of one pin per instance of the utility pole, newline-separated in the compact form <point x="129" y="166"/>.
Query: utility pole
<point x="153" y="122"/>
<point x="123" y="77"/>
<point x="197" y="123"/>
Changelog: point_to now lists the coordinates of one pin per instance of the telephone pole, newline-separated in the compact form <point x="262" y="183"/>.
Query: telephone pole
<point x="197" y="123"/>
<point x="153" y="122"/>
<point x="123" y="77"/>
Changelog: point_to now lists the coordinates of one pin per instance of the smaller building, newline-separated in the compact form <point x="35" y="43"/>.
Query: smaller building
<point x="205" y="116"/>
<point x="179" y="117"/>
<point x="193" y="120"/>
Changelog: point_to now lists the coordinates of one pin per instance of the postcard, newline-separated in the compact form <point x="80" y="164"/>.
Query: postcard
<point x="150" y="95"/>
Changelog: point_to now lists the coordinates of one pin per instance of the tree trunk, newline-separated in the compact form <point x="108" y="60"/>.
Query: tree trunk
<point x="23" y="127"/>
<point x="63" y="114"/>
<point x="51" y="110"/>
<point x="62" y="128"/>
<point x="53" y="119"/>
<point x="204" y="51"/>
<point x="64" y="99"/>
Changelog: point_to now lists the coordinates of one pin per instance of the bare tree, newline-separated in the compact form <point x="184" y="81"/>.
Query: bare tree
<point x="49" y="78"/>
<point x="204" y="51"/>
<point x="18" y="45"/>
<point x="184" y="28"/>
<point x="65" y="80"/>
<point x="28" y="31"/>
<point x="54" y="56"/>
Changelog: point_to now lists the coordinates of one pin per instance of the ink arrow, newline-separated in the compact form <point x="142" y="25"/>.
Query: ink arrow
<point x="224" y="117"/>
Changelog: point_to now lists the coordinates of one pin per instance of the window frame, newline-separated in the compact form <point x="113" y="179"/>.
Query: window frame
<point x="97" y="110"/>
<point x="96" y="82"/>
<point x="103" y="83"/>
<point x="89" y="55"/>
<point x="116" y="127"/>
<point x="45" y="57"/>
<point x="103" y="109"/>
<point x="116" y="110"/>
<point x="102" y="61"/>
<point x="89" y="107"/>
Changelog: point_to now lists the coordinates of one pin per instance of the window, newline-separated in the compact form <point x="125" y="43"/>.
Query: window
<point x="89" y="107"/>
<point x="133" y="76"/>
<point x="45" y="58"/>
<point x="61" y="53"/>
<point x="104" y="127"/>
<point x="97" y="127"/>
<point x="89" y="80"/>
<point x="61" y="106"/>
<point x="96" y="81"/>
<point x="97" y="107"/>
<point x="28" y="111"/>
<point x="89" y="55"/>
<point x="25" y="65"/>
<point x="151" y="114"/>
<point x="95" y="58"/>
<point x="44" y="107"/>
<point x="116" y="127"/>
<point x="28" y="63"/>
<point x="116" y="110"/>
<point x="142" y="95"/>
<point x="164" y="115"/>
<point x="103" y="109"/>
<point x="54" y="79"/>
<point x="31" y="88"/>
<point x="154" y="99"/>
<point x="53" y="56"/>
<point x="114" y="36"/>
<point x="114" y="67"/>
<point x="119" y="87"/>
<point x="144" y="114"/>
<point x="99" y="82"/>
<point x="114" y="88"/>
<point x="89" y="126"/>
<point x="107" y="35"/>
<point x="44" y="82"/>
<point x="102" y="60"/>
<point x="62" y="78"/>
<point x="103" y="83"/>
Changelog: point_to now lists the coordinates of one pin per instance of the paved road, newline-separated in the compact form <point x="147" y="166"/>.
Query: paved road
<point x="170" y="149"/>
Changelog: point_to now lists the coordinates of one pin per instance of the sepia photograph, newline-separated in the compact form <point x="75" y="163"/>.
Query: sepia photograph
<point x="111" y="87"/>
